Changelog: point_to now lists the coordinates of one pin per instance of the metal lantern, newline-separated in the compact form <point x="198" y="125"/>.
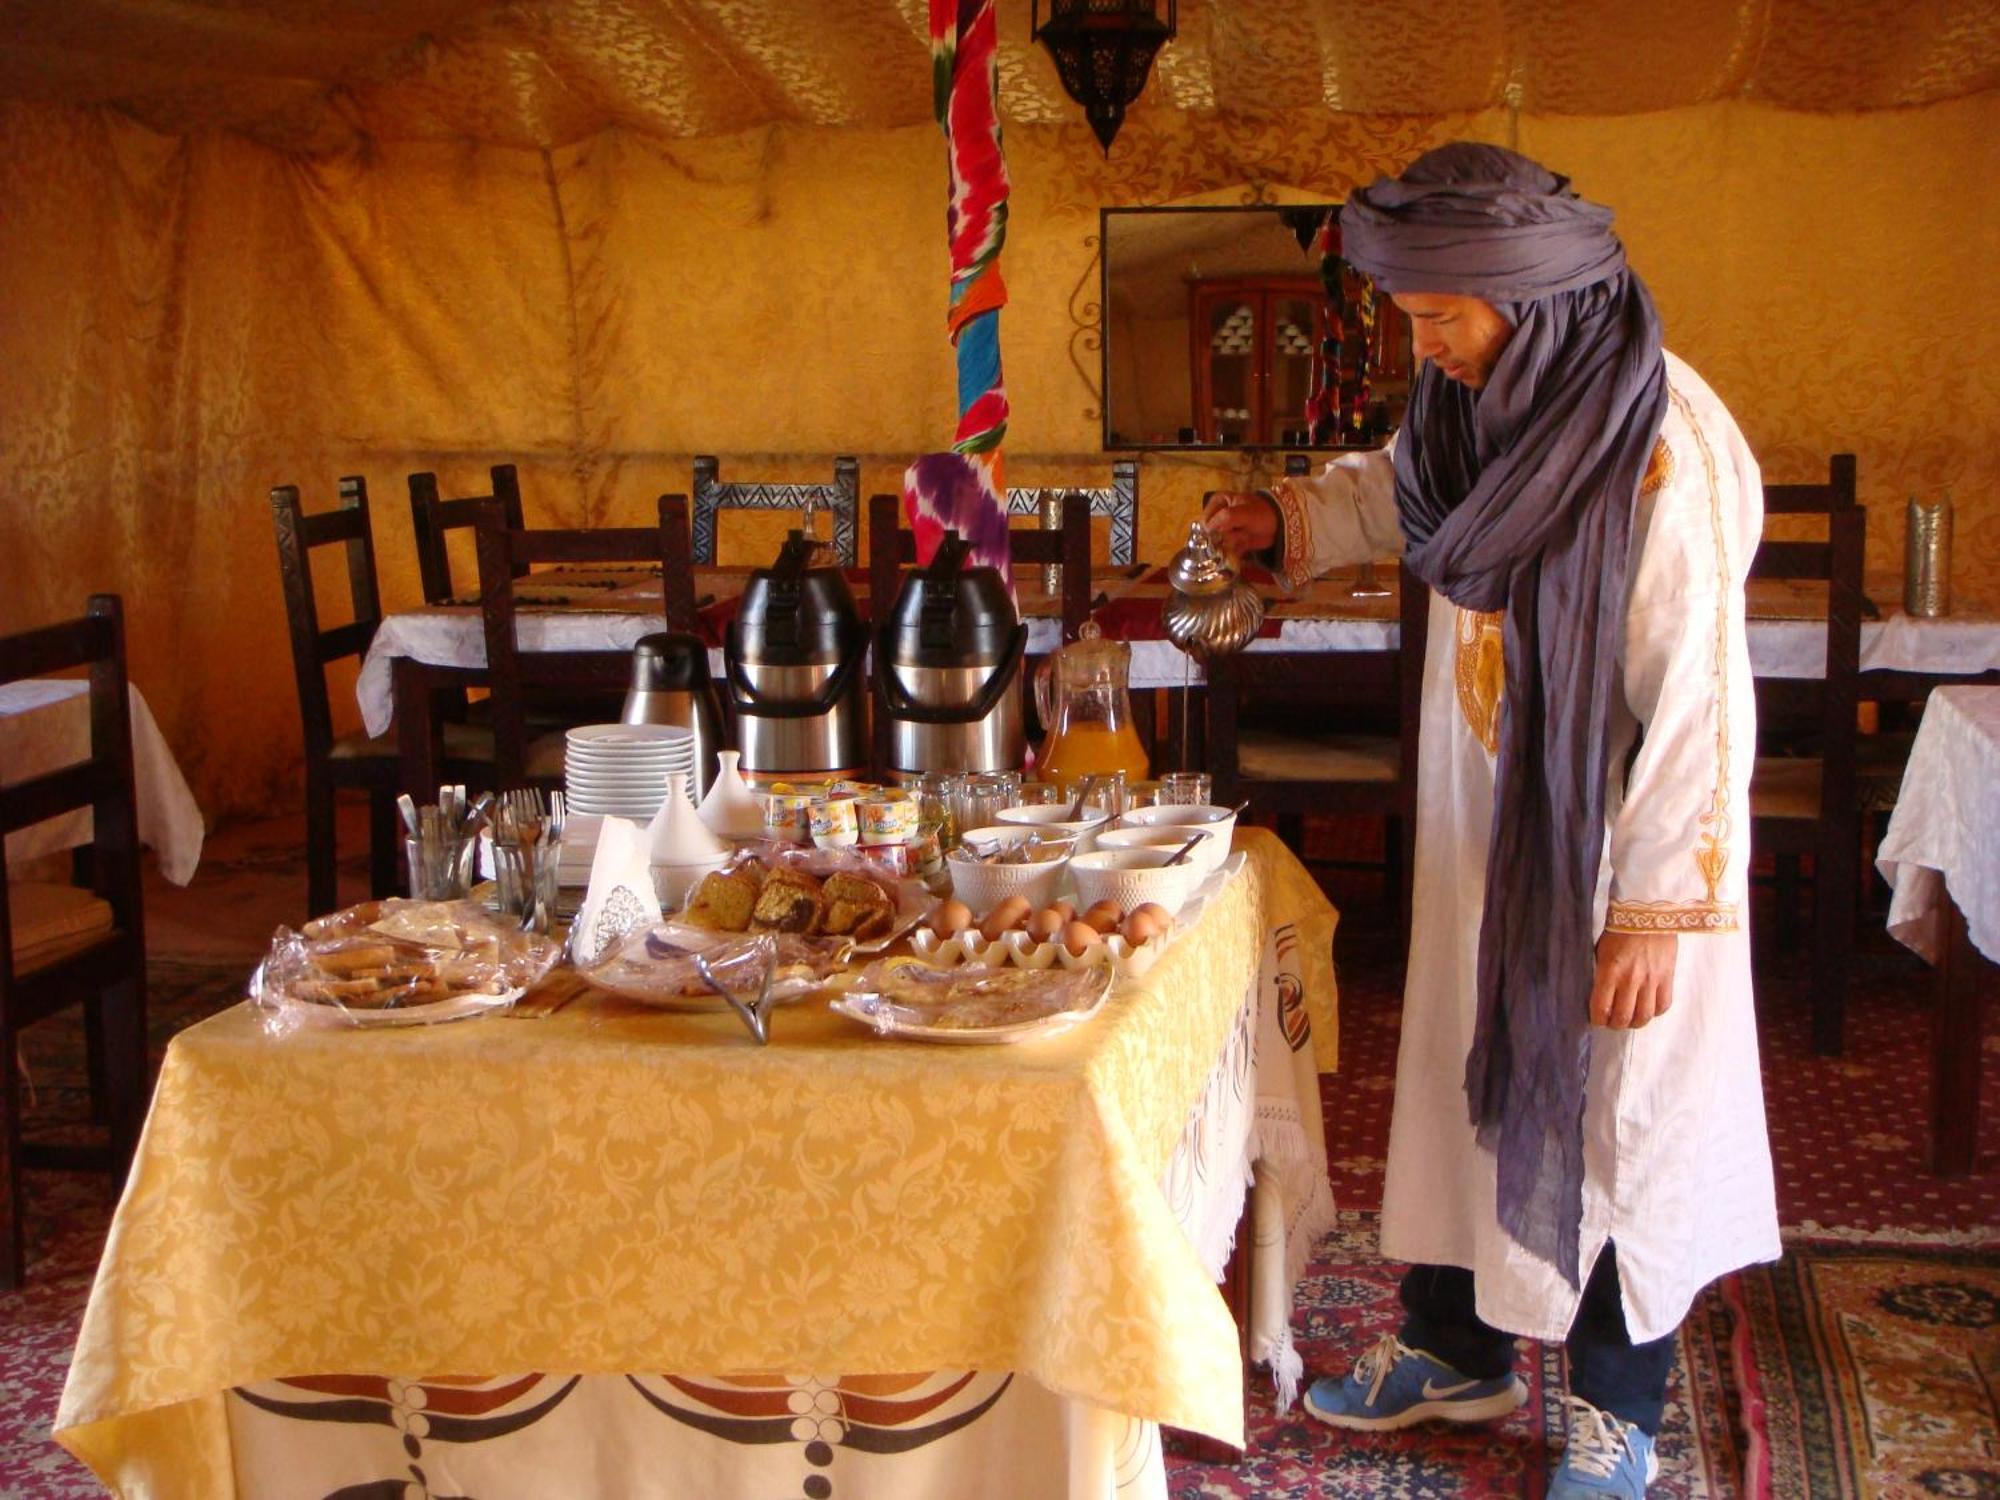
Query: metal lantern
<point x="1103" y="50"/>
<point x="1211" y="612"/>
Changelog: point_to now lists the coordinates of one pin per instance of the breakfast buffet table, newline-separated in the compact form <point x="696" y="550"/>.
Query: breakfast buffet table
<point x="609" y="1250"/>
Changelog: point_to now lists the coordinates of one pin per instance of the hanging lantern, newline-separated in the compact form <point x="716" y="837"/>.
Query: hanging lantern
<point x="1103" y="50"/>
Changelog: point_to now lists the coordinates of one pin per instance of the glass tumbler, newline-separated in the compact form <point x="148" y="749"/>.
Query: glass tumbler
<point x="984" y="795"/>
<point x="937" y="794"/>
<point x="1185" y="789"/>
<point x="440" y="869"/>
<point x="526" y="878"/>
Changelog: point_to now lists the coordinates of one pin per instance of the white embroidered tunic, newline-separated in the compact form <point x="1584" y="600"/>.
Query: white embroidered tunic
<point x="1677" y="1164"/>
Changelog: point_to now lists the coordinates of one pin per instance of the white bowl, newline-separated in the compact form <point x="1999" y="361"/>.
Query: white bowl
<point x="1049" y="817"/>
<point x="1220" y="821"/>
<point x="983" y="887"/>
<point x="1169" y="839"/>
<point x="672" y="883"/>
<point x="1132" y="877"/>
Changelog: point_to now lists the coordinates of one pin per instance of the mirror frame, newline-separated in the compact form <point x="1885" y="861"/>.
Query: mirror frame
<point x="1105" y="214"/>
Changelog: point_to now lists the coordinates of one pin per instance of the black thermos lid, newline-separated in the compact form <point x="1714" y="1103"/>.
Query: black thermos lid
<point x="794" y="615"/>
<point x="669" y="662"/>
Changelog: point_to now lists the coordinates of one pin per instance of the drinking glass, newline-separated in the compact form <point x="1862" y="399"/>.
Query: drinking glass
<point x="1185" y="789"/>
<point x="983" y="795"/>
<point x="526" y="878"/>
<point x="1106" y="797"/>
<point x="1040" y="794"/>
<point x="937" y="794"/>
<point x="440" y="869"/>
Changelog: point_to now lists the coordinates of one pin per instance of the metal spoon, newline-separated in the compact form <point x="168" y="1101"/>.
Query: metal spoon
<point x="1180" y="855"/>
<point x="1083" y="790"/>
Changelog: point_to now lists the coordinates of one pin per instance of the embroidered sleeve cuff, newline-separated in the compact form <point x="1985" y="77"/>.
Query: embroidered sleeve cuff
<point x="1294" y="548"/>
<point x="1671" y="916"/>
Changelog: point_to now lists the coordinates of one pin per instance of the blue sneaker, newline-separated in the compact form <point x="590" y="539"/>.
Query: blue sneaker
<point x="1395" y="1386"/>
<point x="1606" y="1456"/>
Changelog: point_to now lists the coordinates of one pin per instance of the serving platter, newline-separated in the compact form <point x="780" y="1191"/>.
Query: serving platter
<point x="890" y="1019"/>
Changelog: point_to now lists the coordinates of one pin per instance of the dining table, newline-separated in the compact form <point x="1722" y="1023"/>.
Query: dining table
<point x="590" y="1247"/>
<point x="45" y="724"/>
<point x="418" y="655"/>
<point x="1941" y="859"/>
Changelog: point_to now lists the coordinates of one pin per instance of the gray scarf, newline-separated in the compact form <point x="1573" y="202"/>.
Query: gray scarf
<point x="1519" y="498"/>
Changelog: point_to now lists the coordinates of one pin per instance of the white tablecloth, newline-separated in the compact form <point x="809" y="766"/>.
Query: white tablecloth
<point x="45" y="724"/>
<point x="452" y="636"/>
<point x="1944" y="838"/>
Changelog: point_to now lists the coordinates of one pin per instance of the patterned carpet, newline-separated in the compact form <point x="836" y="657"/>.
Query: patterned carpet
<point x="1791" y="1372"/>
<point x="1874" y="1372"/>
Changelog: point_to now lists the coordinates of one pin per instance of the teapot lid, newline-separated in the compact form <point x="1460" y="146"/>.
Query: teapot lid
<point x="1200" y="567"/>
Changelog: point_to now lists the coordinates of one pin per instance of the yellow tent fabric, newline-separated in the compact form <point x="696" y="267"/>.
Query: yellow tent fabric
<point x="553" y="72"/>
<point x="252" y="244"/>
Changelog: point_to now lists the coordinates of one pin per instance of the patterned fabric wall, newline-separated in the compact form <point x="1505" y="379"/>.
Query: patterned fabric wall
<point x="194" y="319"/>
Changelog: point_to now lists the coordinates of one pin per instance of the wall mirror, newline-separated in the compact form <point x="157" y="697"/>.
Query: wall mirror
<point x="1240" y="327"/>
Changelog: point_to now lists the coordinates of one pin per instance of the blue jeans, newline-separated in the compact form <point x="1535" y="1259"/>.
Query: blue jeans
<point x="1605" y="1367"/>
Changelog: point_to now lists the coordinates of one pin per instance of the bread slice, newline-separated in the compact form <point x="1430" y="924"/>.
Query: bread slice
<point x="789" y="902"/>
<point x="724" y="899"/>
<point x="856" y="906"/>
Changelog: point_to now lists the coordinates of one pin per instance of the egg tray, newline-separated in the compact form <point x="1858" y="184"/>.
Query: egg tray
<point x="1125" y="959"/>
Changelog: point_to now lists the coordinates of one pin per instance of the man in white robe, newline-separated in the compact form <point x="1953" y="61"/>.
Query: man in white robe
<point x="1676" y="1185"/>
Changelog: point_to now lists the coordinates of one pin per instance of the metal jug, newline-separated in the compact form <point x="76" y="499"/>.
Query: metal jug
<point x="948" y="669"/>
<point x="793" y="659"/>
<point x="671" y="685"/>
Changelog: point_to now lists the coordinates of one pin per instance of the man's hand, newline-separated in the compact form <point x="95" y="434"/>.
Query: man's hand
<point x="1241" y="521"/>
<point x="1635" y="978"/>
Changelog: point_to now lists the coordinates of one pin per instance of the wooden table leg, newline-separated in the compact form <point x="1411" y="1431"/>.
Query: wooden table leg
<point x="418" y="746"/>
<point x="1962" y="974"/>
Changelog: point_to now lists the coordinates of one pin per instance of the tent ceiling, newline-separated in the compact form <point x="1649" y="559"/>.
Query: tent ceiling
<point x="315" y="74"/>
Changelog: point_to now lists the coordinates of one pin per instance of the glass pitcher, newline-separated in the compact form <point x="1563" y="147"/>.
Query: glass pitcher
<point x="1083" y="694"/>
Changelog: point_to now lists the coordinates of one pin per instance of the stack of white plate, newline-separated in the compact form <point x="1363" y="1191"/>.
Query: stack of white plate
<point x="621" y="770"/>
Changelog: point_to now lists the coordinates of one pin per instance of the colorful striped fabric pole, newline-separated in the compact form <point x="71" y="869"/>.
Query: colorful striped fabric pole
<point x="965" y="490"/>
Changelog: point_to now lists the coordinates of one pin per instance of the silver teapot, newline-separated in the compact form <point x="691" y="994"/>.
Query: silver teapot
<point x="1211" y="611"/>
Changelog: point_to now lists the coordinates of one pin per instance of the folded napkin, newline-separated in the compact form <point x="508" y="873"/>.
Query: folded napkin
<point x="620" y="895"/>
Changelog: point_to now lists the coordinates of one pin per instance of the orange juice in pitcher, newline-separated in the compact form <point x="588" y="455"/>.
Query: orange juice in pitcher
<point x="1088" y="709"/>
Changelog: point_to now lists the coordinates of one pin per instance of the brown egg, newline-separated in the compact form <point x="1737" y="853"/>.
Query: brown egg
<point x="1047" y="925"/>
<point x="1079" y="936"/>
<point x="1157" y="912"/>
<point x="1005" y="917"/>
<point x="1142" y="925"/>
<point x="1105" y="916"/>
<point x="1064" y="909"/>
<point x="950" y="919"/>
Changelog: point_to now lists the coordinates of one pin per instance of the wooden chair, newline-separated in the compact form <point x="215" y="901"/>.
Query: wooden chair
<point x="355" y="760"/>
<point x="61" y="944"/>
<point x="1310" y="767"/>
<point x="892" y="547"/>
<point x="1807" y="802"/>
<point x="842" y="498"/>
<point x="434" y="519"/>
<point x="1119" y="503"/>
<point x="505" y="552"/>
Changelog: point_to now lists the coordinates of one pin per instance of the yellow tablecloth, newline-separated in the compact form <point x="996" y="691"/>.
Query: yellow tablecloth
<point x="599" y="1193"/>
